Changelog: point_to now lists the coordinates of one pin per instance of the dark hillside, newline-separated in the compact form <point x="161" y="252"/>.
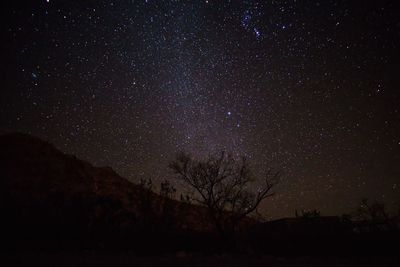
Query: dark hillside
<point x="49" y="198"/>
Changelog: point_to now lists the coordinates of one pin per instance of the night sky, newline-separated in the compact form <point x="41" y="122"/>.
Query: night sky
<point x="310" y="88"/>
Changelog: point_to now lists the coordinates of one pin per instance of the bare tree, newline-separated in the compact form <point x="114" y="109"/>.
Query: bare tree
<point x="225" y="186"/>
<point x="167" y="190"/>
<point x="373" y="212"/>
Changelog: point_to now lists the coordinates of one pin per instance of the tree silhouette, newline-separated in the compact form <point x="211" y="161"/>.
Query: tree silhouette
<point x="225" y="186"/>
<point x="167" y="190"/>
<point x="374" y="212"/>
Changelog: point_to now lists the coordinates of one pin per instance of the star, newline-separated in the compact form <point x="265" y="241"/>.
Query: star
<point x="257" y="33"/>
<point x="256" y="78"/>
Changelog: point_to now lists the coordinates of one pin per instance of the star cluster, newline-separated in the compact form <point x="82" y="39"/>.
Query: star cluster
<point x="306" y="87"/>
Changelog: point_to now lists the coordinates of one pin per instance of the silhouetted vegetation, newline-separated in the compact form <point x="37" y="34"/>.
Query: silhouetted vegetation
<point x="308" y="213"/>
<point x="223" y="185"/>
<point x="374" y="217"/>
<point x="52" y="201"/>
<point x="374" y="212"/>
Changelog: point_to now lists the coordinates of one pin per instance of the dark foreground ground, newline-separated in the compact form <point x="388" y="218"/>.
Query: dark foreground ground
<point x="181" y="259"/>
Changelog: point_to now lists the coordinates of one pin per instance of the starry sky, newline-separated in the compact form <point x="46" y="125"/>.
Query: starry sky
<point x="310" y="88"/>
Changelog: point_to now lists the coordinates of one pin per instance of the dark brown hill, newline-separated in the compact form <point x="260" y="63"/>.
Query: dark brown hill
<point x="45" y="193"/>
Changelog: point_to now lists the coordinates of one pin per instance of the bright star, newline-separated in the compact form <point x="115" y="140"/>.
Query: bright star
<point x="257" y="32"/>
